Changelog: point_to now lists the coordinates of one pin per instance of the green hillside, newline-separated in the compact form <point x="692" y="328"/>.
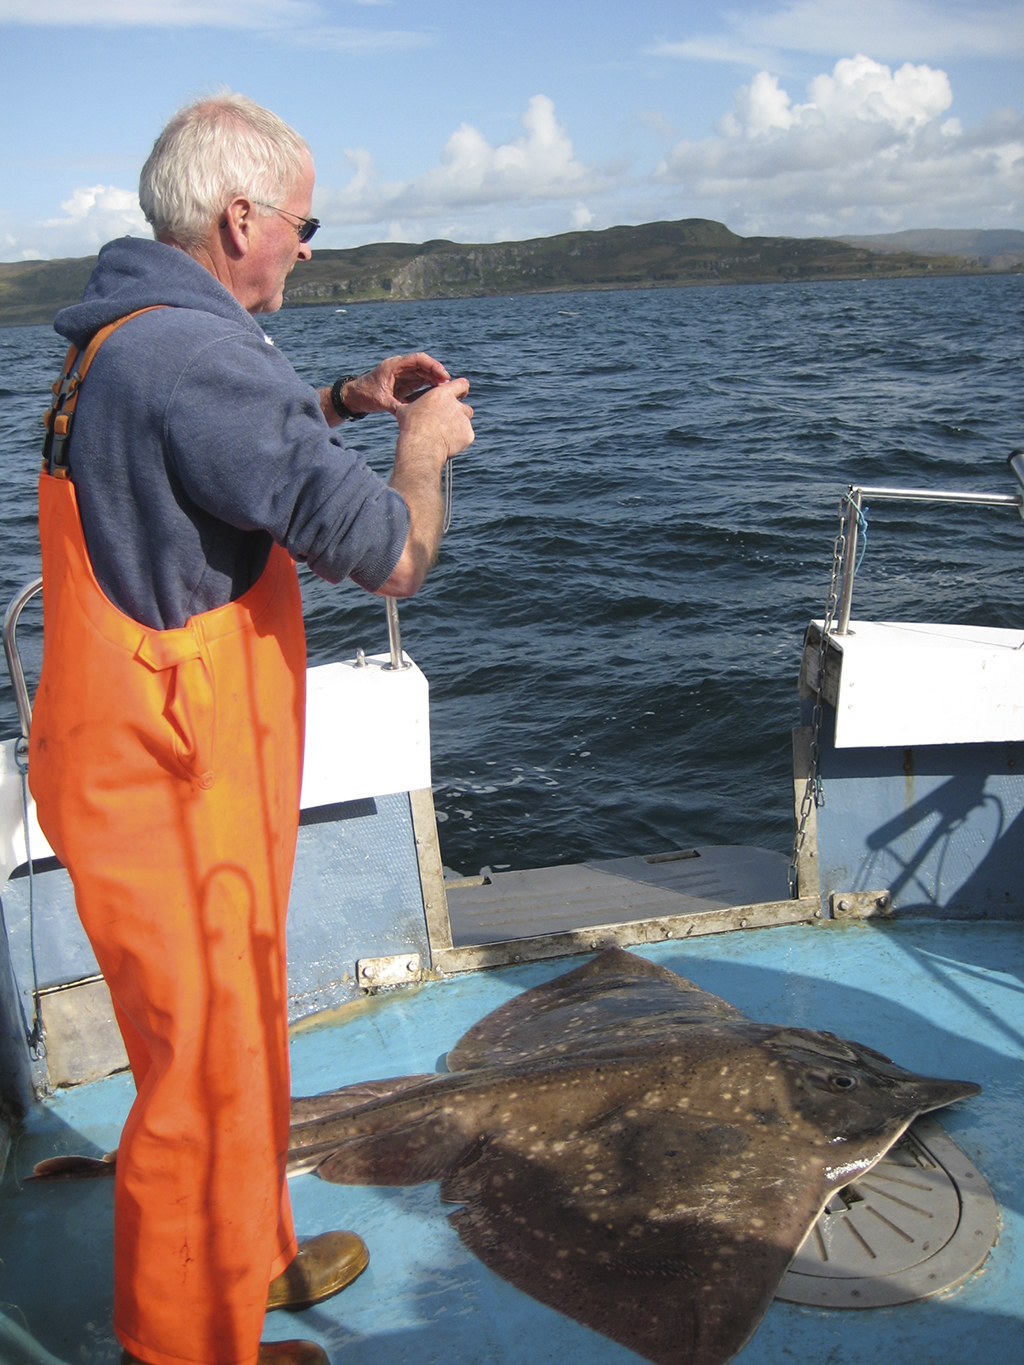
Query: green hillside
<point x="32" y="291"/>
<point x="997" y="248"/>
<point x="690" y="252"/>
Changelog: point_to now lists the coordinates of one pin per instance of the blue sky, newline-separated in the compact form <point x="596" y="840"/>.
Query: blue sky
<point x="484" y="121"/>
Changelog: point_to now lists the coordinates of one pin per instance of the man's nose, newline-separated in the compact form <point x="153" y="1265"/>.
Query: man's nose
<point x="305" y="252"/>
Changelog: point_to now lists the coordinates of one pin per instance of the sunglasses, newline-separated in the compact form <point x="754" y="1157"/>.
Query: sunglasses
<point x="308" y="225"/>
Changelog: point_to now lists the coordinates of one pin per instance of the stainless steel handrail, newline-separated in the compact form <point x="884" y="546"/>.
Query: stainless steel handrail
<point x="855" y="499"/>
<point x="14" y="668"/>
<point x="398" y="660"/>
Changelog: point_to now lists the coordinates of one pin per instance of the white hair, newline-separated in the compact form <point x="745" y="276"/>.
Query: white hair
<point x="212" y="150"/>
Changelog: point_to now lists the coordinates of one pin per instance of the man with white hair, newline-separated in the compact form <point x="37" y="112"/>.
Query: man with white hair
<point x="167" y="735"/>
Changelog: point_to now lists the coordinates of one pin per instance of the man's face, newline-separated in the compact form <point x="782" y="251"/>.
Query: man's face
<point x="275" y="247"/>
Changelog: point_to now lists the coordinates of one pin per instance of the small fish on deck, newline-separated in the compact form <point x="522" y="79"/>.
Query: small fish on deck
<point x="629" y="1149"/>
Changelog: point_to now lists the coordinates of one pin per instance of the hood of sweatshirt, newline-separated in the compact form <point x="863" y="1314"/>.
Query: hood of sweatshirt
<point x="133" y="273"/>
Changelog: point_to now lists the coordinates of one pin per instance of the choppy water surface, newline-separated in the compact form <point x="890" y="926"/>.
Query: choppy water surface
<point x="642" y="531"/>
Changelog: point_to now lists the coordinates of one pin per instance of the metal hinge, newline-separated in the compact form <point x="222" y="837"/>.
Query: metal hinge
<point x="861" y="904"/>
<point x="374" y="973"/>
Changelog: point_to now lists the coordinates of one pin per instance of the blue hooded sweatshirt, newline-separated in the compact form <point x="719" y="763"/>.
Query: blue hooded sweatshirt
<point x="195" y="444"/>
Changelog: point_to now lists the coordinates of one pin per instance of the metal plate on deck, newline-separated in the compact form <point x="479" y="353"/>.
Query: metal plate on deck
<point x="921" y="1220"/>
<point x="861" y="904"/>
<point x="374" y="973"/>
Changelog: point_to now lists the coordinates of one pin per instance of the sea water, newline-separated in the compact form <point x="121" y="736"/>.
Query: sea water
<point x="641" y="533"/>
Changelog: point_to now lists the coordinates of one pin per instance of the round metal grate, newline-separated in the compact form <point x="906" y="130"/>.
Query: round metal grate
<point x="919" y="1221"/>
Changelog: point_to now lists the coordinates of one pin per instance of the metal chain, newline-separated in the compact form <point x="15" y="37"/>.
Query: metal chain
<point x="813" y="793"/>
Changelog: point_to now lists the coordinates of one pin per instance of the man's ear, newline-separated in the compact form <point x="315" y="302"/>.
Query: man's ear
<point x="235" y="226"/>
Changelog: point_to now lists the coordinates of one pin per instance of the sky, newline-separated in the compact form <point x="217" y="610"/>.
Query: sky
<point x="486" y="122"/>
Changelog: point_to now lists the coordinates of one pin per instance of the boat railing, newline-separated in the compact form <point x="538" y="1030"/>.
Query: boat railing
<point x="398" y="659"/>
<point x="14" y="668"/>
<point x="858" y="496"/>
<point x="23" y="702"/>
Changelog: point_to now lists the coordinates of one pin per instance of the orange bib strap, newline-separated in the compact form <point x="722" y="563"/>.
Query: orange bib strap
<point x="60" y="415"/>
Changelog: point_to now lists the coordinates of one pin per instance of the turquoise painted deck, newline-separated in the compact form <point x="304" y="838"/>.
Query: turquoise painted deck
<point x="941" y="998"/>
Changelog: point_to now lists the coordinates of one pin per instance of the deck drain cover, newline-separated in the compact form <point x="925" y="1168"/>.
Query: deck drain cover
<point x="919" y="1221"/>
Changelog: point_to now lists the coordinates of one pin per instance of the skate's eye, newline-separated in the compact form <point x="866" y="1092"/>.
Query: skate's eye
<point x="844" y="1082"/>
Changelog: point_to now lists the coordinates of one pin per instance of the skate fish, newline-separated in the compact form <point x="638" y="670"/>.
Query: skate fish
<point x="629" y="1149"/>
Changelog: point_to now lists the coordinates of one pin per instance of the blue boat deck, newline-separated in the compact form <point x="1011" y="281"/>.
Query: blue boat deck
<point x="941" y="998"/>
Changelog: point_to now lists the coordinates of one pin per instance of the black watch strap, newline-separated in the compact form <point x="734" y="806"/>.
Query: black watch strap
<point x="336" y="401"/>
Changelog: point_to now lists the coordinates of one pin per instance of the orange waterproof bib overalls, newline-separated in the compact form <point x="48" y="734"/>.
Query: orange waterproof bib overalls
<point x="166" y="767"/>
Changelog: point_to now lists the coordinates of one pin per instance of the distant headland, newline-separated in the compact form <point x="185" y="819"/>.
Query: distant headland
<point x="692" y="251"/>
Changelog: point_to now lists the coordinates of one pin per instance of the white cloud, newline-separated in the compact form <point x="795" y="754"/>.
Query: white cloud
<point x="159" y="13"/>
<point x="471" y="173"/>
<point x="858" y="90"/>
<point x="362" y="41"/>
<point x="758" y="108"/>
<point x="12" y="250"/>
<point x="711" y="48"/>
<point x="304" y="23"/>
<point x="868" y="140"/>
<point x="936" y="30"/>
<point x="92" y="215"/>
<point x="96" y="201"/>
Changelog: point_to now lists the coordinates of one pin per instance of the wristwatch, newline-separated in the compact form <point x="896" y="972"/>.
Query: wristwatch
<point x="346" y="414"/>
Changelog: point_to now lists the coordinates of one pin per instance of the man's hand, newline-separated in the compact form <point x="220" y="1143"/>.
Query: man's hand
<point x="386" y="388"/>
<point x="438" y="425"/>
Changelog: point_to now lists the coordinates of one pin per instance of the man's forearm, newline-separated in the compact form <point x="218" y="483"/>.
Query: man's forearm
<point x="430" y="431"/>
<point x="417" y="476"/>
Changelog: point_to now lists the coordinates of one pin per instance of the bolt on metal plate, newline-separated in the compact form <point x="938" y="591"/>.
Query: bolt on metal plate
<point x="374" y="973"/>
<point x="861" y="904"/>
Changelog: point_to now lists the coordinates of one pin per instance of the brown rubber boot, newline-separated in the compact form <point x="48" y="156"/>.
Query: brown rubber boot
<point x="272" y="1353"/>
<point x="321" y="1267"/>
